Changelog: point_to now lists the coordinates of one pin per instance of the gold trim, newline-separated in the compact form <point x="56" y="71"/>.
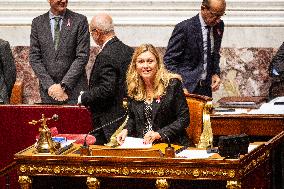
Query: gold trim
<point x="206" y="137"/>
<point x="234" y="185"/>
<point x="162" y="184"/>
<point x="93" y="183"/>
<point x="25" y="182"/>
<point x="126" y="171"/>
<point x="255" y="162"/>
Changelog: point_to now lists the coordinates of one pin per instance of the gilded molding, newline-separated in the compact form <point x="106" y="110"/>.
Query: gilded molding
<point x="255" y="162"/>
<point x="233" y="185"/>
<point x="162" y="184"/>
<point x="25" y="182"/>
<point x="126" y="171"/>
<point x="93" y="183"/>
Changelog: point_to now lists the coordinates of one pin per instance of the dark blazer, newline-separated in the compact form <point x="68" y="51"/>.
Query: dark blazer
<point x="185" y="54"/>
<point x="277" y="62"/>
<point x="7" y="71"/>
<point x="67" y="63"/>
<point x="170" y="115"/>
<point x="106" y="85"/>
<point x="277" y="81"/>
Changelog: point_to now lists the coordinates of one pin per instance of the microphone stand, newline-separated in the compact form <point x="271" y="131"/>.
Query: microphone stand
<point x="169" y="150"/>
<point x="84" y="150"/>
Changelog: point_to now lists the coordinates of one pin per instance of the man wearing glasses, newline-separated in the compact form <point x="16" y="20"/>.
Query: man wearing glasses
<point x="107" y="79"/>
<point x="194" y="49"/>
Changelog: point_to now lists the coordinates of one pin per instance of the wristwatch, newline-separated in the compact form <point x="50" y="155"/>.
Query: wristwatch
<point x="63" y="86"/>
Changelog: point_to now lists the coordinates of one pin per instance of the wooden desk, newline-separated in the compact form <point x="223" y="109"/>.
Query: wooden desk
<point x="252" y="170"/>
<point x="253" y="125"/>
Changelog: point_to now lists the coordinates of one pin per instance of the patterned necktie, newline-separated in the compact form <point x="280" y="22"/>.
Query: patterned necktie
<point x="56" y="31"/>
<point x="208" y="45"/>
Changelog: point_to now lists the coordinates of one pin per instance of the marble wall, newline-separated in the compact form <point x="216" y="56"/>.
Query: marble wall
<point x="254" y="30"/>
<point x="244" y="72"/>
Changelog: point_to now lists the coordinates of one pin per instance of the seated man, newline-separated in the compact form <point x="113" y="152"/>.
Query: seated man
<point x="277" y="74"/>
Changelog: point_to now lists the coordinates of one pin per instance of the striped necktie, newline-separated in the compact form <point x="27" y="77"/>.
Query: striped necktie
<point x="56" y="31"/>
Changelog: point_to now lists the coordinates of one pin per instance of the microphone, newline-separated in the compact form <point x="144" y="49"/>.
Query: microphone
<point x="169" y="150"/>
<point x="84" y="150"/>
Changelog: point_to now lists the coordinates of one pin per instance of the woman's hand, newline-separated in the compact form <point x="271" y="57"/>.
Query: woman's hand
<point x="121" y="136"/>
<point x="151" y="136"/>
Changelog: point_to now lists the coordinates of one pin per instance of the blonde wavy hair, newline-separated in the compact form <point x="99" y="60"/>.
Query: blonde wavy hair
<point x="136" y="88"/>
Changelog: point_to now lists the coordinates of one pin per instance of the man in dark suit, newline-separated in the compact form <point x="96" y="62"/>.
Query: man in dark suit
<point x="194" y="49"/>
<point x="7" y="72"/>
<point x="277" y="74"/>
<point x="107" y="79"/>
<point x="60" y="45"/>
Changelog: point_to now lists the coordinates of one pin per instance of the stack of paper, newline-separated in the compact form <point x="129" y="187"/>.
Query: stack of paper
<point x="131" y="142"/>
<point x="194" y="154"/>
<point x="275" y="106"/>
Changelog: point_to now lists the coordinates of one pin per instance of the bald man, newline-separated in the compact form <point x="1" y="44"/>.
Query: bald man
<point x="194" y="49"/>
<point x="107" y="79"/>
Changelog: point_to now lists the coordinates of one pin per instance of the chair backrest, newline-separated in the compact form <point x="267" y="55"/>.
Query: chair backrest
<point x="197" y="105"/>
<point x="17" y="93"/>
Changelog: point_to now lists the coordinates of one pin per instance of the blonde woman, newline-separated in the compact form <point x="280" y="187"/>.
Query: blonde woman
<point x="157" y="106"/>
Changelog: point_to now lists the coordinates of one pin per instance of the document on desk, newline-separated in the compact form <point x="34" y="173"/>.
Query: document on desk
<point x="252" y="147"/>
<point x="132" y="142"/>
<point x="275" y="106"/>
<point x="195" y="154"/>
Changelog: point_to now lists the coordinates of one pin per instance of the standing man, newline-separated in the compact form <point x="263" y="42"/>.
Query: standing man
<point x="107" y="79"/>
<point x="194" y="49"/>
<point x="7" y="72"/>
<point x="60" y="45"/>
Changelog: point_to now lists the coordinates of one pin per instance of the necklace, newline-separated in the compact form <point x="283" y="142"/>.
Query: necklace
<point x="149" y="94"/>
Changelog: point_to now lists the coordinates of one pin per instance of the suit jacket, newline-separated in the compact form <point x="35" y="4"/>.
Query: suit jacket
<point x="277" y="62"/>
<point x="185" y="53"/>
<point x="7" y="71"/>
<point x="106" y="85"/>
<point x="67" y="63"/>
<point x="170" y="115"/>
<point x="277" y="80"/>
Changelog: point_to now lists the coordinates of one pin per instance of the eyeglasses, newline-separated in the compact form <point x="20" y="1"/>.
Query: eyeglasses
<point x="93" y="30"/>
<point x="217" y="14"/>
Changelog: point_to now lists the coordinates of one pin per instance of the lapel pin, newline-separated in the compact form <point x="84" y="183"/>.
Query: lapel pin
<point x="219" y="31"/>
<point x="68" y="22"/>
<point x="158" y="100"/>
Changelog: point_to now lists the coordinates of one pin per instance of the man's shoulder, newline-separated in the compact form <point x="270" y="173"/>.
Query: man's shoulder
<point x="189" y="21"/>
<point x="125" y="48"/>
<point x="40" y="17"/>
<point x="2" y="41"/>
<point x="118" y="46"/>
<point x="75" y="14"/>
